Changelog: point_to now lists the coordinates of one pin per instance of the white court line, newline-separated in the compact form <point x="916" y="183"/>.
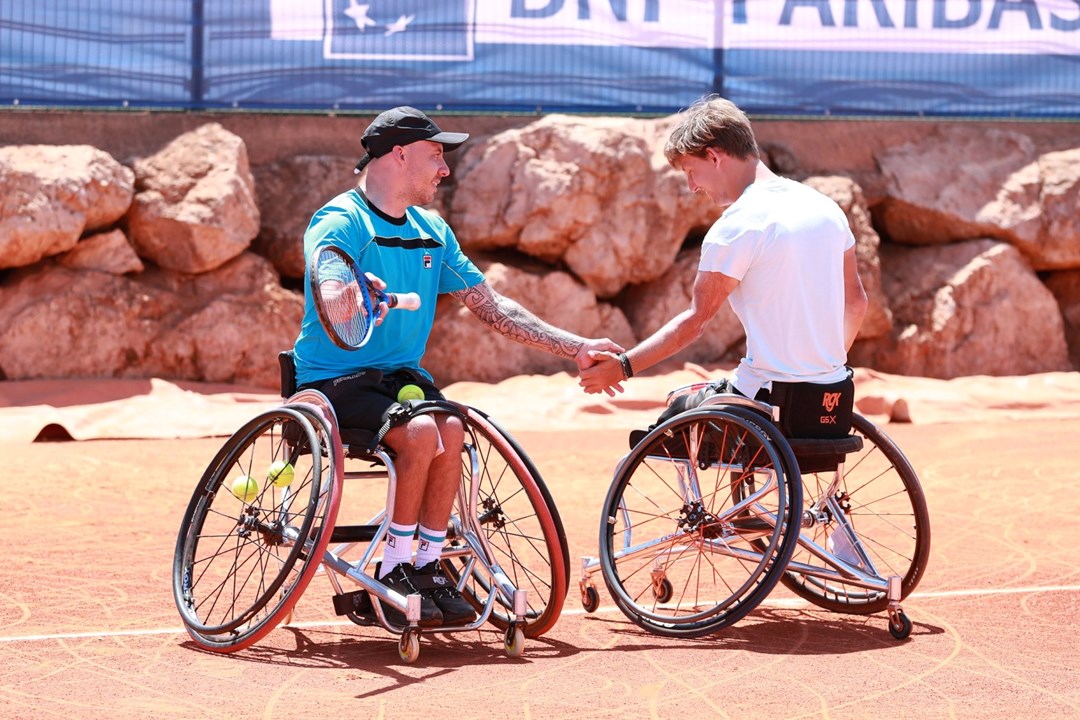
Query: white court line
<point x="769" y="602"/>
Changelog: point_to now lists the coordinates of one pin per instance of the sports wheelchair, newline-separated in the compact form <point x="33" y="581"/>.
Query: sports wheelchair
<point x="242" y="562"/>
<point x="713" y="507"/>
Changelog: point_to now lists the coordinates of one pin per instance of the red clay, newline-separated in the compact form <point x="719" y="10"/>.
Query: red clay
<point x="88" y="628"/>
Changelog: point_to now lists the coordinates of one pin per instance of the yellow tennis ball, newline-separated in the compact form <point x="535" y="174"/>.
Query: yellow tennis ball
<point x="245" y="488"/>
<point x="280" y="474"/>
<point x="410" y="392"/>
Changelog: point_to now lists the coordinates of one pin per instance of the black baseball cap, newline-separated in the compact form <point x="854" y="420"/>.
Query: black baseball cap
<point x="401" y="126"/>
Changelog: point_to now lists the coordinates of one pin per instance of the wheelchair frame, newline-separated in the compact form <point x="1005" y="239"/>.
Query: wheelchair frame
<point x="240" y="567"/>
<point x="826" y="518"/>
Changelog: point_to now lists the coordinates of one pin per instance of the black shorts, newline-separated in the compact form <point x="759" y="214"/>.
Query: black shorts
<point x="362" y="398"/>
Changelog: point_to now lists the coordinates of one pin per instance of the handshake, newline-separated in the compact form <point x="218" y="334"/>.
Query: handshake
<point x="602" y="367"/>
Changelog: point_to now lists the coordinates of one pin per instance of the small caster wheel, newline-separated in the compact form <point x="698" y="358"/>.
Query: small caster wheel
<point x="514" y="640"/>
<point x="408" y="647"/>
<point x="590" y="599"/>
<point x="663" y="591"/>
<point x="900" y="625"/>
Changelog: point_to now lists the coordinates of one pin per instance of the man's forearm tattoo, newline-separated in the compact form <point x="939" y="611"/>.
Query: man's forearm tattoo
<point x="515" y="322"/>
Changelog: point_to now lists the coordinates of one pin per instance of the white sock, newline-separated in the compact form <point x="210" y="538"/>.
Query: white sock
<point x="397" y="548"/>
<point x="431" y="545"/>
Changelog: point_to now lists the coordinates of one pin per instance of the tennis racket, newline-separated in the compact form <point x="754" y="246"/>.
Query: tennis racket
<point x="346" y="301"/>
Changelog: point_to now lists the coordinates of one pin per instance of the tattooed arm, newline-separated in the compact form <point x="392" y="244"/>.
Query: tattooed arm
<point x="509" y="318"/>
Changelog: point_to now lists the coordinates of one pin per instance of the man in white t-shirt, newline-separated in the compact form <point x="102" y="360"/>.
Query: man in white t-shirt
<point x="782" y="253"/>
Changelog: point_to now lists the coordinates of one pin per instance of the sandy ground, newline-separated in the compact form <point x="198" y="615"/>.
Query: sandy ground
<point x="88" y="627"/>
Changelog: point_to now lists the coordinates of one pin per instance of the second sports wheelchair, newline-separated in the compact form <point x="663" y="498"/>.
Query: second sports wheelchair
<point x="713" y="507"/>
<point x="263" y="522"/>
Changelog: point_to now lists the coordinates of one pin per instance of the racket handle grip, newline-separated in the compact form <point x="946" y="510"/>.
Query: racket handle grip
<point x="403" y="301"/>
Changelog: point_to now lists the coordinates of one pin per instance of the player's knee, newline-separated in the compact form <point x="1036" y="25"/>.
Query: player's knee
<point x="452" y="431"/>
<point x="419" y="436"/>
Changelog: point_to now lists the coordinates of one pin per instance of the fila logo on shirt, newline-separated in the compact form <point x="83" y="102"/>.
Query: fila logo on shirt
<point x="427" y="261"/>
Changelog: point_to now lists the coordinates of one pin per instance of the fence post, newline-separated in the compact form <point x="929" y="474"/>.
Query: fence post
<point x="197" y="26"/>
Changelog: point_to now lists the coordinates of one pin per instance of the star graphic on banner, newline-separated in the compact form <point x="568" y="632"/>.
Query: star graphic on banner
<point x="399" y="25"/>
<point x="359" y="15"/>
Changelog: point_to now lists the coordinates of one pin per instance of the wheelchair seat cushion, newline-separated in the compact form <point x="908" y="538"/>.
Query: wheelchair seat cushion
<point x="809" y="447"/>
<point x="817" y="455"/>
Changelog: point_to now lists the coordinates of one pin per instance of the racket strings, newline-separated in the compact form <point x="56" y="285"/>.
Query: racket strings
<point x="346" y="304"/>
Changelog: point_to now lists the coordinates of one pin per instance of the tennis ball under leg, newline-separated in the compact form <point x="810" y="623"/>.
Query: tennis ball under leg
<point x="280" y="474"/>
<point x="245" y="488"/>
<point x="410" y="392"/>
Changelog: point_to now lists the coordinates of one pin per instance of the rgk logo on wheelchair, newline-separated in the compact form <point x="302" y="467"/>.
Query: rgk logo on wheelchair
<point x="829" y="401"/>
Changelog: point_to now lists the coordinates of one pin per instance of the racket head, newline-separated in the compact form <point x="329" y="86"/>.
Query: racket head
<point x="344" y="300"/>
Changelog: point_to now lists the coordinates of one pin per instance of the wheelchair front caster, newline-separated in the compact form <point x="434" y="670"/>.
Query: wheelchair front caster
<point x="899" y="625"/>
<point x="663" y="591"/>
<point x="514" y="640"/>
<point x="408" y="648"/>
<point x="590" y="599"/>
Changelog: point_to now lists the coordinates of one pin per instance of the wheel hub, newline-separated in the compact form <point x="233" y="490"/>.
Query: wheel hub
<point x="492" y="515"/>
<point x="694" y="517"/>
<point x="844" y="501"/>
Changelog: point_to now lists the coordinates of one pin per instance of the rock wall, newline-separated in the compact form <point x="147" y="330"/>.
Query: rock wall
<point x="145" y="253"/>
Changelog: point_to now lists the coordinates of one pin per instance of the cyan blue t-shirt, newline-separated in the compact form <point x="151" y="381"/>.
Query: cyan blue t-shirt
<point x="417" y="253"/>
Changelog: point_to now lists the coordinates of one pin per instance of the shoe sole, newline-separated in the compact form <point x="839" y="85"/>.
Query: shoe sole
<point x="400" y="620"/>
<point x="461" y="620"/>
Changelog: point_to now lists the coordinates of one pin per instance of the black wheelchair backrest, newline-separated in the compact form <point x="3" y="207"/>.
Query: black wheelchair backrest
<point x="287" y="363"/>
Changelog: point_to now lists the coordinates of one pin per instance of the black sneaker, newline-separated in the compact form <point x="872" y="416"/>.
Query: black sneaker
<point x="434" y="585"/>
<point x="401" y="580"/>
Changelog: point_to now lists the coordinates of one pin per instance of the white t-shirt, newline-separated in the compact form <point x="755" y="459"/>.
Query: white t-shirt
<point x="784" y="242"/>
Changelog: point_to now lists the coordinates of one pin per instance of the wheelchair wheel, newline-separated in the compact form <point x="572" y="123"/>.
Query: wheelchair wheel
<point x="516" y="518"/>
<point x="883" y="502"/>
<point x="241" y="563"/>
<point x="697" y="525"/>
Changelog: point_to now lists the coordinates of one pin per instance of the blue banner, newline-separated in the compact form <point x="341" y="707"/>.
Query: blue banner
<point x="996" y="58"/>
<point x="1005" y="58"/>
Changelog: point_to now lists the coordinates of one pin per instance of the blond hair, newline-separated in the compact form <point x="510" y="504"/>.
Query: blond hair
<point x="712" y="122"/>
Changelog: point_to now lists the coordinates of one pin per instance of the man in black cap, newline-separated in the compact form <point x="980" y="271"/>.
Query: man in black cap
<point x="402" y="126"/>
<point x="381" y="225"/>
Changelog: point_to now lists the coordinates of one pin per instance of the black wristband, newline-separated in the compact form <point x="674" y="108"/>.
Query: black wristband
<point x="627" y="371"/>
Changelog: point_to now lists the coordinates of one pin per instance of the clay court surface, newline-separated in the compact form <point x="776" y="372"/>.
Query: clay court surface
<point x="88" y="628"/>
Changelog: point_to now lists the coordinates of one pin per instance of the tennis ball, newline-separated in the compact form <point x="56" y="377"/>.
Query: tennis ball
<point x="245" y="488"/>
<point x="280" y="474"/>
<point x="409" y="392"/>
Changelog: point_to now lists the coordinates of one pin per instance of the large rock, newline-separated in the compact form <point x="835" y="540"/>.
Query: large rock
<point x="971" y="308"/>
<point x="224" y="326"/>
<point x="51" y="195"/>
<point x="1039" y="205"/>
<point x="108" y="252"/>
<point x="593" y="194"/>
<point x="194" y="206"/>
<point x="290" y="191"/>
<point x="943" y="188"/>
<point x="463" y="348"/>
<point x="1066" y="289"/>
